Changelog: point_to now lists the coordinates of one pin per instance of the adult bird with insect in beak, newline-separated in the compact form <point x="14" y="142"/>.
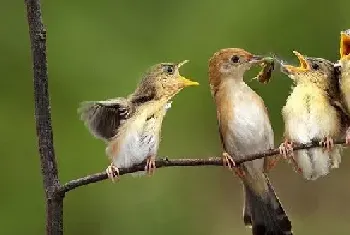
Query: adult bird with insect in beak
<point x="245" y="128"/>
<point x="131" y="126"/>
<point x="312" y="114"/>
<point x="344" y="78"/>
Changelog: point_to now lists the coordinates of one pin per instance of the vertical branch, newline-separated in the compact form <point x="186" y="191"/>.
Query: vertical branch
<point x="54" y="201"/>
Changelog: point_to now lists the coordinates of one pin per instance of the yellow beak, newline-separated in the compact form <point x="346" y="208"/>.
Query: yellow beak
<point x="344" y="45"/>
<point x="304" y="65"/>
<point x="182" y="63"/>
<point x="184" y="81"/>
<point x="187" y="82"/>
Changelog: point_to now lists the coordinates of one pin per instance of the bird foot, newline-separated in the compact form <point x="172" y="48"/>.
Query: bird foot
<point x="286" y="150"/>
<point x="228" y="161"/>
<point x="112" y="172"/>
<point x="150" y="165"/>
<point x="327" y="143"/>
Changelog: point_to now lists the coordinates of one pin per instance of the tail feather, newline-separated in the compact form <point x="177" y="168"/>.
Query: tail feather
<point x="247" y="209"/>
<point x="265" y="214"/>
<point x="317" y="162"/>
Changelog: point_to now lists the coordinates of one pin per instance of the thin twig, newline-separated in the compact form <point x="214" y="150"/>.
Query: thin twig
<point x="165" y="162"/>
<point x="54" y="201"/>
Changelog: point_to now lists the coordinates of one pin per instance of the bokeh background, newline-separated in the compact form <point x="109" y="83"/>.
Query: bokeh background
<point x="98" y="50"/>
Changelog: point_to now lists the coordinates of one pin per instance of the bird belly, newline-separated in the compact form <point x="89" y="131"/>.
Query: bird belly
<point x="247" y="132"/>
<point x="138" y="144"/>
<point x="309" y="117"/>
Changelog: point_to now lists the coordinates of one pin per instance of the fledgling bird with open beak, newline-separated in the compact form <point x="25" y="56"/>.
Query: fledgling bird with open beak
<point x="311" y="114"/>
<point x="344" y="78"/>
<point x="131" y="126"/>
<point x="245" y="129"/>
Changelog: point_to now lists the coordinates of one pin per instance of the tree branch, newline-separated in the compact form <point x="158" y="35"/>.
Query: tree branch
<point x="165" y="162"/>
<point x="54" y="201"/>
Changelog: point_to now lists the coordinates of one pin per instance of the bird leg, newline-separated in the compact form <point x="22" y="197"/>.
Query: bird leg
<point x="327" y="143"/>
<point x="286" y="150"/>
<point x="150" y="165"/>
<point x="112" y="172"/>
<point x="227" y="161"/>
<point x="230" y="163"/>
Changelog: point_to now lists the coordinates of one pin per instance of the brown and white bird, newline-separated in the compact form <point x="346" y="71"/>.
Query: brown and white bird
<point x="312" y="114"/>
<point x="245" y="129"/>
<point x="344" y="78"/>
<point x="131" y="126"/>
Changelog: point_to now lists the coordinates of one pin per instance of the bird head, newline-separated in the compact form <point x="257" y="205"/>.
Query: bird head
<point x="230" y="63"/>
<point x="315" y="70"/>
<point x="345" y="45"/>
<point x="163" y="81"/>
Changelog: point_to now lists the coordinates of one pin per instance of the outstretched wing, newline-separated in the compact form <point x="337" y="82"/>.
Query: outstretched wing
<point x="103" y="118"/>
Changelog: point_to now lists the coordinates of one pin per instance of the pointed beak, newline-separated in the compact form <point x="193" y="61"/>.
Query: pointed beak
<point x="304" y="65"/>
<point x="184" y="81"/>
<point x="182" y="63"/>
<point x="256" y="59"/>
<point x="187" y="82"/>
<point x="345" y="44"/>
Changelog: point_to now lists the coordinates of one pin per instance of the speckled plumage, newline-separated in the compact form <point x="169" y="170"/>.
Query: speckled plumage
<point x="131" y="126"/>
<point x="245" y="129"/>
<point x="310" y="114"/>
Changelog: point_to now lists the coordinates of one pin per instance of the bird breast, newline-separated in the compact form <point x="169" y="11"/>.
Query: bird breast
<point x="246" y="124"/>
<point x="138" y="140"/>
<point x="308" y="115"/>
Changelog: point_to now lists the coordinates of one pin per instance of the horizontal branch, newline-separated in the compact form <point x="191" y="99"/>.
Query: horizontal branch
<point x="165" y="162"/>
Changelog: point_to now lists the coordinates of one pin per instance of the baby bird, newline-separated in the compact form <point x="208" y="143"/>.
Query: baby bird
<point x="131" y="126"/>
<point x="344" y="67"/>
<point x="245" y="128"/>
<point x="312" y="114"/>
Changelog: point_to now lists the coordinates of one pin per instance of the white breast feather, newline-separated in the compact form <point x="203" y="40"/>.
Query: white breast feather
<point x="303" y="126"/>
<point x="250" y="129"/>
<point x="140" y="141"/>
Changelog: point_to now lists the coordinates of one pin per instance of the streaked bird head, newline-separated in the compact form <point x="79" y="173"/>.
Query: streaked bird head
<point x="163" y="81"/>
<point x="311" y="70"/>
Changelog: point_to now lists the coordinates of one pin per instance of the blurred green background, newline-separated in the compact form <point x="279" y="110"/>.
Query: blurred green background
<point x="98" y="50"/>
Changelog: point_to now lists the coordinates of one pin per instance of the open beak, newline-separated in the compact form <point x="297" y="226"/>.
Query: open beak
<point x="184" y="81"/>
<point x="256" y="59"/>
<point x="304" y="65"/>
<point x="345" y="44"/>
<point x="187" y="82"/>
<point x="182" y="63"/>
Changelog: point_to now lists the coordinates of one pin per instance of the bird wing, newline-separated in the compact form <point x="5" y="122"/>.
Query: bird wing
<point x="103" y="118"/>
<point x="222" y="140"/>
<point x="344" y="116"/>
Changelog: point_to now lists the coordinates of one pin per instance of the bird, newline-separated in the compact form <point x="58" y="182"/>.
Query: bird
<point x="344" y="77"/>
<point x="245" y="128"/>
<point x="313" y="112"/>
<point x="131" y="126"/>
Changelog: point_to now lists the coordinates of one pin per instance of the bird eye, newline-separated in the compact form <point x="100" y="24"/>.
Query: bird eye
<point x="169" y="69"/>
<point x="235" y="59"/>
<point x="315" y="66"/>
